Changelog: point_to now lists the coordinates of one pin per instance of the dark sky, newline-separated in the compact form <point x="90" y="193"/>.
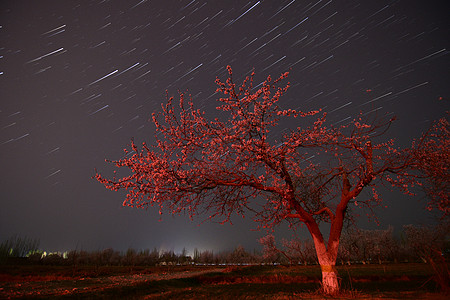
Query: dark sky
<point x="79" y="79"/>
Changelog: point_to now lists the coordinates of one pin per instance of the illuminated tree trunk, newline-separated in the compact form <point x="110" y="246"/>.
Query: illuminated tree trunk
<point x="329" y="280"/>
<point x="327" y="255"/>
<point x="330" y="283"/>
<point x="327" y="261"/>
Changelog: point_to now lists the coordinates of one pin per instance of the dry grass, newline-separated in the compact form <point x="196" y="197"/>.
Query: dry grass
<point x="403" y="281"/>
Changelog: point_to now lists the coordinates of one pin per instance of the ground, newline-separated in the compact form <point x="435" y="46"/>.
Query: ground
<point x="395" y="281"/>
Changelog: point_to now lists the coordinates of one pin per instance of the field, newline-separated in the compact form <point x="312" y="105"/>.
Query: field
<point x="391" y="281"/>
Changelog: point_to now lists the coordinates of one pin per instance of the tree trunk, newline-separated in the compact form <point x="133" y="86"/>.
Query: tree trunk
<point x="327" y="255"/>
<point x="330" y="281"/>
<point x="327" y="260"/>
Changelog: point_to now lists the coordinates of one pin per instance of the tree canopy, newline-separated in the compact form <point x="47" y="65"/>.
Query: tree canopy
<point x="218" y="166"/>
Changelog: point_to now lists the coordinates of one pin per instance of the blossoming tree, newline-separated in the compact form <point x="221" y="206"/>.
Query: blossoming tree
<point x="433" y="153"/>
<point x="235" y="163"/>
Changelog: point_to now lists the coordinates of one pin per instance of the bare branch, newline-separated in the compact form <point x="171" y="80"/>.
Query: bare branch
<point x="327" y="211"/>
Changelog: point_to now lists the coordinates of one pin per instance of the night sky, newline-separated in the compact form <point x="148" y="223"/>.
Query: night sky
<point x="79" y="79"/>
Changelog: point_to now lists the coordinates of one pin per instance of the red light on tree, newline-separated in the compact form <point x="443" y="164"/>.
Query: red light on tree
<point x="306" y="176"/>
<point x="433" y="154"/>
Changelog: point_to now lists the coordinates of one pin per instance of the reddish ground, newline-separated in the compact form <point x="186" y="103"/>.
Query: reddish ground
<point x="41" y="281"/>
<point x="59" y="284"/>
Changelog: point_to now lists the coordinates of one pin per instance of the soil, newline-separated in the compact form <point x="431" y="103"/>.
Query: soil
<point x="55" y="285"/>
<point x="408" y="281"/>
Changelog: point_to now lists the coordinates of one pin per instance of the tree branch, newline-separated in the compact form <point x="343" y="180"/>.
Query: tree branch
<point x="325" y="210"/>
<point x="295" y="216"/>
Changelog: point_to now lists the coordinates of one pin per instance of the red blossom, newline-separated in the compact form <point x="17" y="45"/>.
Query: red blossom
<point x="432" y="154"/>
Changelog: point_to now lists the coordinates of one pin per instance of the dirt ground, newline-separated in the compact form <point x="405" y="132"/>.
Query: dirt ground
<point x="32" y="286"/>
<point x="211" y="282"/>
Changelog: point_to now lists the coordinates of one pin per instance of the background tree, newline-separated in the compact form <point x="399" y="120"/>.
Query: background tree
<point x="295" y="251"/>
<point x="433" y="153"/>
<point x="425" y="242"/>
<point x="231" y="164"/>
<point x="430" y="243"/>
<point x="240" y="256"/>
<point x="301" y="251"/>
<point x="271" y="253"/>
<point x="368" y="246"/>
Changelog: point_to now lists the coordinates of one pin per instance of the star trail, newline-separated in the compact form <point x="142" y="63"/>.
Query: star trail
<point x="78" y="80"/>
